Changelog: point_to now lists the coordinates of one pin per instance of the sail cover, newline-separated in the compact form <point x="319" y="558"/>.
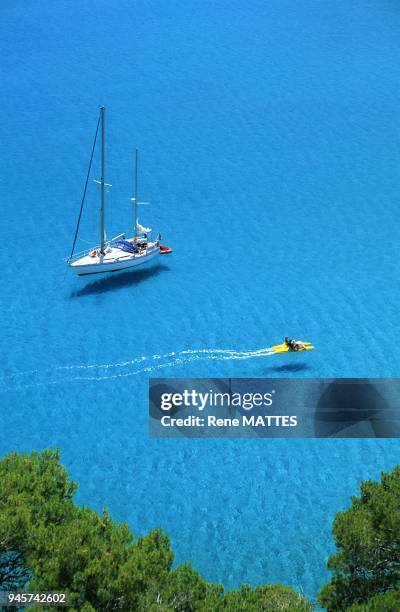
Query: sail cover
<point x="126" y="246"/>
<point x="144" y="230"/>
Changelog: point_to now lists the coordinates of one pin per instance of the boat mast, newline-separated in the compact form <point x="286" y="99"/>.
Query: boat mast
<point x="102" y="120"/>
<point x="135" y="197"/>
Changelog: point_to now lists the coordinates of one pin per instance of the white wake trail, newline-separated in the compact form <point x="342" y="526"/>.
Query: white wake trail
<point x="123" y="369"/>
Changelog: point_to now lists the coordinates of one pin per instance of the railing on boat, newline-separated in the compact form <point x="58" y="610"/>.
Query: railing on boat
<point x="107" y="243"/>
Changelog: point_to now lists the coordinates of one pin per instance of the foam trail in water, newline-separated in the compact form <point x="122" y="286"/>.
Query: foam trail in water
<point x="108" y="371"/>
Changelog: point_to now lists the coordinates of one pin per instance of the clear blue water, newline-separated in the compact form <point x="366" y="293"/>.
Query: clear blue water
<point x="269" y="137"/>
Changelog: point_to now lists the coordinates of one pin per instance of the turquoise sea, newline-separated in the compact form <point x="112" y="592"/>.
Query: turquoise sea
<point x="270" y="152"/>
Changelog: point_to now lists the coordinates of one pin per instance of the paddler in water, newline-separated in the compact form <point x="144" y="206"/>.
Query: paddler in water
<point x="294" y="345"/>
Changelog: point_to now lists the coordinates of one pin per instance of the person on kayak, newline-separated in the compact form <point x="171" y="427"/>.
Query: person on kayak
<point x="294" y="345"/>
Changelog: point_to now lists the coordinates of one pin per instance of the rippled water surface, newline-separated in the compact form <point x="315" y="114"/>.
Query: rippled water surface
<point x="269" y="138"/>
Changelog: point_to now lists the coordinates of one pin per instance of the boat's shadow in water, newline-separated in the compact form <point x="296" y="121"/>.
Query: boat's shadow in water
<point x="288" y="367"/>
<point x="119" y="280"/>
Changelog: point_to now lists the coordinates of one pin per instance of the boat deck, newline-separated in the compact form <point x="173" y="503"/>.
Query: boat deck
<point x="112" y="255"/>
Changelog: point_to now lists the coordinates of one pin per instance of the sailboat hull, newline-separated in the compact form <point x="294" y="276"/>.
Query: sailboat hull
<point x="112" y="261"/>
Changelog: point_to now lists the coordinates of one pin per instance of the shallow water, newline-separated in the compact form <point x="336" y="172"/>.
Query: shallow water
<point x="269" y="138"/>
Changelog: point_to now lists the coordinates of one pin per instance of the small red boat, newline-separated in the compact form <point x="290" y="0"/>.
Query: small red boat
<point x="164" y="250"/>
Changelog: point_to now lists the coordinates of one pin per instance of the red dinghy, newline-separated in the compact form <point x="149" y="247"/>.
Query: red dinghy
<point x="164" y="250"/>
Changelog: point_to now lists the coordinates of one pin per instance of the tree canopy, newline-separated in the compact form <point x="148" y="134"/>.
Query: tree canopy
<point x="49" y="543"/>
<point x="366" y="568"/>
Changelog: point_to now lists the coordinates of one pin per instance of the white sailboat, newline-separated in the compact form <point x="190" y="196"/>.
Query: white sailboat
<point x="117" y="253"/>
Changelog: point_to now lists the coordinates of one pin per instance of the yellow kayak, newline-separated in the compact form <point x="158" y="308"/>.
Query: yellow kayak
<point x="283" y="348"/>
